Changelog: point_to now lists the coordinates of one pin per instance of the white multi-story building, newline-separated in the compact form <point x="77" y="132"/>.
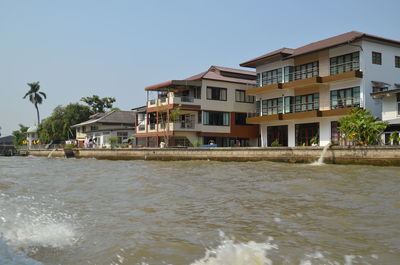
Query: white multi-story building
<point x="213" y="109"/>
<point x="301" y="93"/>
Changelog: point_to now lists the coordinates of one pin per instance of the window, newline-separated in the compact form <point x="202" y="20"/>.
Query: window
<point x="216" y="93"/>
<point x="187" y="121"/>
<point x="216" y="118"/>
<point x="306" y="70"/>
<point x="376" y="58"/>
<point x="345" y="63"/>
<point x="397" y="61"/>
<point x="122" y="136"/>
<point x="240" y="118"/>
<point x="258" y="107"/>
<point x="94" y="128"/>
<point x="272" y="106"/>
<point x="258" y="80"/>
<point x="241" y="96"/>
<point x="272" y="77"/>
<point x="306" y="102"/>
<point x="398" y="104"/>
<point x="345" y="98"/>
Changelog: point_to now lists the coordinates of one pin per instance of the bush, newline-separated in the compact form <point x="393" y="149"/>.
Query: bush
<point x="275" y="143"/>
<point x="361" y="128"/>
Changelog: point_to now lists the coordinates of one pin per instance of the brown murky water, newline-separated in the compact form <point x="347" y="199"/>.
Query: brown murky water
<point x="69" y="212"/>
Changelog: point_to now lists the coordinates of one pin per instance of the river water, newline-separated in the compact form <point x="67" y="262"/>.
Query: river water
<point x="86" y="211"/>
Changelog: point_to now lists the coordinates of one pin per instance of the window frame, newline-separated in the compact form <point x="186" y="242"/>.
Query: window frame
<point x="377" y="58"/>
<point x="212" y="116"/>
<point x="222" y="92"/>
<point x="397" y="61"/>
<point x="246" y="98"/>
<point x="341" y="95"/>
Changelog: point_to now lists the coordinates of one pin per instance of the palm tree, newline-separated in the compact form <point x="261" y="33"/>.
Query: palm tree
<point x="35" y="96"/>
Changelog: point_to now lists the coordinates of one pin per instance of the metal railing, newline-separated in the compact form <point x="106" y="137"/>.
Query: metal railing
<point x="345" y="103"/>
<point x="344" y="67"/>
<point x="302" y="74"/>
<point x="187" y="99"/>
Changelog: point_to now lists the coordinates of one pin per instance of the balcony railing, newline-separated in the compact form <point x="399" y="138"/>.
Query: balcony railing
<point x="302" y="74"/>
<point x="345" y="103"/>
<point x="344" y="67"/>
<point x="187" y="99"/>
<point x="152" y="126"/>
<point x="142" y="127"/>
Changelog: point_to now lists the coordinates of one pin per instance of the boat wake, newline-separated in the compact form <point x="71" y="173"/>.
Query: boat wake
<point x="27" y="225"/>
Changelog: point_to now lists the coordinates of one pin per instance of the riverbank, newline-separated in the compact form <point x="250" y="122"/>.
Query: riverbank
<point x="375" y="155"/>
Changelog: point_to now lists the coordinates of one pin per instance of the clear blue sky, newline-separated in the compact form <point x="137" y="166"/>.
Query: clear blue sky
<point x="78" y="48"/>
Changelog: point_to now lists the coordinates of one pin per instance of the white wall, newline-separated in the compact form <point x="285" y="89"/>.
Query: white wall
<point x="386" y="72"/>
<point x="389" y="108"/>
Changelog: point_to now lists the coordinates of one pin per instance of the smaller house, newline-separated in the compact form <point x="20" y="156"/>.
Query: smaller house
<point x="97" y="131"/>
<point x="32" y="136"/>
<point x="389" y="95"/>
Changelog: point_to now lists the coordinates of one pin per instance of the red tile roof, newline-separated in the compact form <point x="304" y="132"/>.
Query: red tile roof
<point x="318" y="45"/>
<point x="213" y="73"/>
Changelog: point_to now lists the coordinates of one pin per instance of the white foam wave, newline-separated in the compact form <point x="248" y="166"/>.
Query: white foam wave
<point x="231" y="253"/>
<point x="25" y="222"/>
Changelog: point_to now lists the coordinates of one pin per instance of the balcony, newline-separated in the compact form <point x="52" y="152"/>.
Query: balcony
<point x="293" y="111"/>
<point x="310" y="78"/>
<point x="173" y="99"/>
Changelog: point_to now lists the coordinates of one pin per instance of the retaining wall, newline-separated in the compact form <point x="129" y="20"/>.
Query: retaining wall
<point x="376" y="155"/>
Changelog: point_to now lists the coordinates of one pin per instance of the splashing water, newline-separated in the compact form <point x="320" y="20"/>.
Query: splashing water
<point x="320" y="160"/>
<point x="26" y="224"/>
<point x="231" y="253"/>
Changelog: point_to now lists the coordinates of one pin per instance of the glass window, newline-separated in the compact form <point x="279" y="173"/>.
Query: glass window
<point x="306" y="102"/>
<point x="272" y="106"/>
<point x="258" y="108"/>
<point x="241" y="96"/>
<point x="344" y="98"/>
<point x="376" y="58"/>
<point x="240" y="118"/>
<point x="398" y="104"/>
<point x="306" y="70"/>
<point x="258" y="80"/>
<point x="345" y="63"/>
<point x="397" y="61"/>
<point x="216" y="118"/>
<point x="216" y="93"/>
<point x="272" y="77"/>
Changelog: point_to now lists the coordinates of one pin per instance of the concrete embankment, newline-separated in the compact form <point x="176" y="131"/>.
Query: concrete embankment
<point x="376" y="155"/>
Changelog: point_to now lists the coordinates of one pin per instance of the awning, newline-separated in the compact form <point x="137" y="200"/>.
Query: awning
<point x="379" y="84"/>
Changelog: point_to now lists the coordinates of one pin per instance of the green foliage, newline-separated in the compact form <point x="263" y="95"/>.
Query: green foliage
<point x="174" y="113"/>
<point x="98" y="104"/>
<point x="314" y="140"/>
<point x="35" y="96"/>
<point x="360" y="128"/>
<point x="20" y="135"/>
<point x="57" y="126"/>
<point x="197" y="143"/>
<point x="275" y="143"/>
<point x="395" y="137"/>
<point x="113" y="141"/>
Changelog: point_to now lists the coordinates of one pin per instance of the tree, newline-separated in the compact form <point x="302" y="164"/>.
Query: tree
<point x="98" y="104"/>
<point x="166" y="117"/>
<point x="57" y="127"/>
<point x="20" y="135"/>
<point x="360" y="128"/>
<point x="35" y="96"/>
